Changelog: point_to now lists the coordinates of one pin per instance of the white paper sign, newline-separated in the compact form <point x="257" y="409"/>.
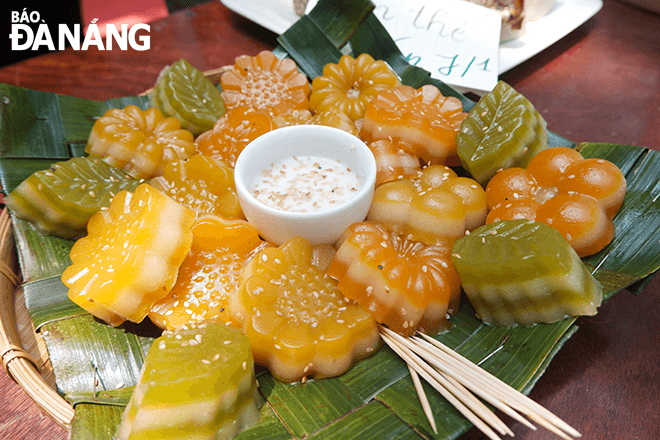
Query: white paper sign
<point x="456" y="41"/>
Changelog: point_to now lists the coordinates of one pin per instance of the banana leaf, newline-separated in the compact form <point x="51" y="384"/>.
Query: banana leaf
<point x="95" y="365"/>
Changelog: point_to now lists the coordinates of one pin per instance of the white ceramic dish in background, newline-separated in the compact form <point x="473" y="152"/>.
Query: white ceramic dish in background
<point x="324" y="226"/>
<point x="564" y="17"/>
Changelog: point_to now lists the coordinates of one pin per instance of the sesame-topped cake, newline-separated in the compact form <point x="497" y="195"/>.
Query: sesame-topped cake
<point x="197" y="383"/>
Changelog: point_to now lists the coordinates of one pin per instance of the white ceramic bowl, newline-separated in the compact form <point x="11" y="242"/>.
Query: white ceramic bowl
<point x="324" y="226"/>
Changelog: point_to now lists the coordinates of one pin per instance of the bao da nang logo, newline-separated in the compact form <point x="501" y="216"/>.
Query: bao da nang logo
<point x="30" y="32"/>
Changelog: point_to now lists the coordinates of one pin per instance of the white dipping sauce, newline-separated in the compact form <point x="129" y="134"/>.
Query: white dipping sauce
<point x="305" y="184"/>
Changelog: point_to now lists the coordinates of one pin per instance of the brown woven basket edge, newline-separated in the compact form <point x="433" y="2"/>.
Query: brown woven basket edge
<point x="24" y="356"/>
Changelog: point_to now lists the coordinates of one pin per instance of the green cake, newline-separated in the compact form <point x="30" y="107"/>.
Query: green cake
<point x="520" y="272"/>
<point x="197" y="383"/>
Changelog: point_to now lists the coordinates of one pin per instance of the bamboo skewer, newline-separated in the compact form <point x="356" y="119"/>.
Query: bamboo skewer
<point x="527" y="405"/>
<point x="481" y="388"/>
<point x="438" y="382"/>
<point x="422" y="398"/>
<point x="460" y="381"/>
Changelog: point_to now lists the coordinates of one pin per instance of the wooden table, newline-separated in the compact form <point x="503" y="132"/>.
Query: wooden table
<point x="599" y="83"/>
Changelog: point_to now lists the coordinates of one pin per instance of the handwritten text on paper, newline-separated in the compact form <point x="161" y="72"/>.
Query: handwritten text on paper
<point x="458" y="42"/>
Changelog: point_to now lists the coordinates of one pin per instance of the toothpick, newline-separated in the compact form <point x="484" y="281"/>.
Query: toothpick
<point x="460" y="381"/>
<point x="437" y="382"/>
<point x="422" y="398"/>
<point x="511" y="396"/>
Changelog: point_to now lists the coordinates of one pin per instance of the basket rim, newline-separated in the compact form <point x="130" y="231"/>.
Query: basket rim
<point x="20" y="366"/>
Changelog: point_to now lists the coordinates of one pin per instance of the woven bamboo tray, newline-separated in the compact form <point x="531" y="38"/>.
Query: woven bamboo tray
<point x="23" y="351"/>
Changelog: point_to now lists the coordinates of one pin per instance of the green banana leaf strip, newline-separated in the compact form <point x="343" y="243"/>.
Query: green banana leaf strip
<point x="305" y="43"/>
<point x="611" y="281"/>
<point x="41" y="125"/>
<point x="305" y="408"/>
<point x="93" y="421"/>
<point x="373" y="421"/>
<point x="119" y="397"/>
<point x="638" y="287"/>
<point x="51" y="307"/>
<point x="29" y="124"/>
<point x="544" y="365"/>
<point x="90" y="357"/>
<point x="372" y="38"/>
<point x="270" y="427"/>
<point x="339" y="19"/>
<point x="634" y="250"/>
<point x="335" y="20"/>
<point x="374" y="374"/>
<point x="41" y="256"/>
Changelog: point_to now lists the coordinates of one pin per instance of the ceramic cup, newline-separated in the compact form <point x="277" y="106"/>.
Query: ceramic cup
<point x="319" y="227"/>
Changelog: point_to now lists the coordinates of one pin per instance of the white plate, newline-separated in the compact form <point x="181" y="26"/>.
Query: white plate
<point x="566" y="15"/>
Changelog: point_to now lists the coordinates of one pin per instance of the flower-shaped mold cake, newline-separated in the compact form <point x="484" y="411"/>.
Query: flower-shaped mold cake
<point x="405" y="284"/>
<point x="139" y="142"/>
<point x="265" y="82"/>
<point x="434" y="205"/>
<point x="350" y="85"/>
<point x="209" y="275"/>
<point x="421" y="121"/>
<point x="329" y="118"/>
<point x="130" y="257"/>
<point x="233" y="131"/>
<point x="393" y="162"/>
<point x="579" y="197"/>
<point x="203" y="184"/>
<point x="298" y="322"/>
